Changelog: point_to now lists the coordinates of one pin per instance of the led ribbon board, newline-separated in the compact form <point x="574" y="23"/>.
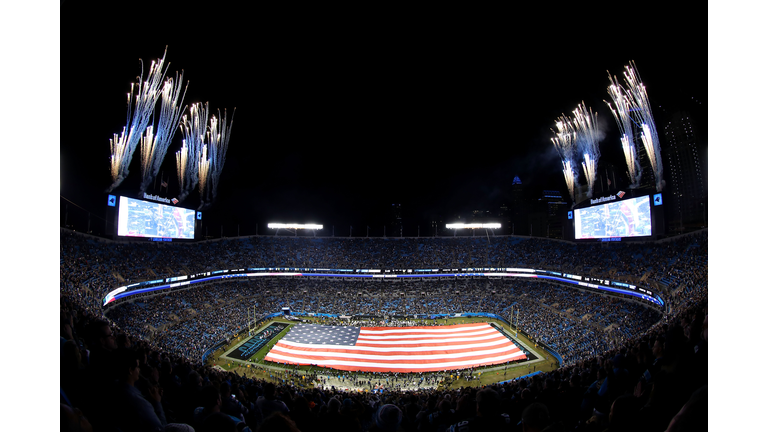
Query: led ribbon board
<point x="473" y="226"/>
<point x="294" y="226"/>
<point x="643" y="294"/>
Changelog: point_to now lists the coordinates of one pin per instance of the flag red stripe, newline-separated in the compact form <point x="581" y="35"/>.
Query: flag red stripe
<point x="434" y="344"/>
<point x="421" y="336"/>
<point x="451" y="328"/>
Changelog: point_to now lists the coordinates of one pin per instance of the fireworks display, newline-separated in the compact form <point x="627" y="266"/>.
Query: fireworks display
<point x="141" y="106"/>
<point x="640" y="110"/>
<point x="193" y="127"/>
<point x="624" y="121"/>
<point x="200" y="160"/>
<point x="587" y="140"/>
<point x="153" y="151"/>
<point x="212" y="164"/>
<point x="564" y="141"/>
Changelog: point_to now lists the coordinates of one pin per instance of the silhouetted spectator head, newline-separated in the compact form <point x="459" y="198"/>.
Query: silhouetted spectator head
<point x="278" y="422"/>
<point x="101" y="335"/>
<point x="444" y="406"/>
<point x="218" y="422"/>
<point x="66" y="330"/>
<point x="550" y="384"/>
<point x="269" y="390"/>
<point x="71" y="359"/>
<point x="123" y="341"/>
<point x="693" y="415"/>
<point x="350" y="408"/>
<point x="575" y="380"/>
<point x="210" y="398"/>
<point x="165" y="367"/>
<point x="301" y="406"/>
<point x="334" y="405"/>
<point x="73" y="420"/>
<point x="388" y="417"/>
<point x="194" y="379"/>
<point x="464" y="406"/>
<point x="488" y="403"/>
<point x="535" y="417"/>
<point x="178" y="427"/>
<point x="623" y="414"/>
<point x="129" y="369"/>
<point x="601" y="373"/>
<point x="225" y="390"/>
<point x="526" y="395"/>
<point x="658" y="348"/>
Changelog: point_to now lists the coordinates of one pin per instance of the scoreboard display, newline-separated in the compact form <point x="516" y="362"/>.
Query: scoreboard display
<point x="613" y="220"/>
<point x="139" y="218"/>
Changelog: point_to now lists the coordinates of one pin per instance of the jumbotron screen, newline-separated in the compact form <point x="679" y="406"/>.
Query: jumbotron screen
<point x="138" y="218"/>
<point x="627" y="218"/>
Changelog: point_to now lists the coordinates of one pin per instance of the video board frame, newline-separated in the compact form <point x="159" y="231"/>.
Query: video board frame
<point x="619" y="217"/>
<point x="138" y="219"/>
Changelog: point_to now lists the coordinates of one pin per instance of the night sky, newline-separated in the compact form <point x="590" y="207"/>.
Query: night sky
<point x="335" y="125"/>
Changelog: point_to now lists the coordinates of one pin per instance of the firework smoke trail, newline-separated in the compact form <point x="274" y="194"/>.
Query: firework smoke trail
<point x="642" y="115"/>
<point x="153" y="151"/>
<point x="182" y="157"/>
<point x="587" y="138"/>
<point x="188" y="158"/>
<point x="564" y="141"/>
<point x="204" y="167"/>
<point x="143" y="103"/>
<point x="218" y="143"/>
<point x="118" y="147"/>
<point x="624" y="121"/>
<point x="148" y="142"/>
<point x="570" y="178"/>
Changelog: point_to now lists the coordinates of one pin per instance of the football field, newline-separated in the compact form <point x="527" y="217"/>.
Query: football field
<point x="246" y="355"/>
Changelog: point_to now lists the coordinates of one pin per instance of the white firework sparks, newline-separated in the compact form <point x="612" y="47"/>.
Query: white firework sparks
<point x="119" y="148"/>
<point x="140" y="109"/>
<point x="642" y="115"/>
<point x="148" y="143"/>
<point x="624" y="121"/>
<point x="218" y="143"/>
<point x="188" y="158"/>
<point x="588" y="139"/>
<point x="204" y="166"/>
<point x="154" y="152"/>
<point x="564" y="141"/>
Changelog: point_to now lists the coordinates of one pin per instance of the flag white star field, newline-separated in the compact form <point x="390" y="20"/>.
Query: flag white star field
<point x="395" y="349"/>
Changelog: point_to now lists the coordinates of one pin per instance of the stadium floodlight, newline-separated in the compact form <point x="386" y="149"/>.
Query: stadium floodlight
<point x="294" y="226"/>
<point x="473" y="226"/>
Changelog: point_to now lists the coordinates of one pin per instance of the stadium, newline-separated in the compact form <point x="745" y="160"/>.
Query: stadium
<point x="384" y="238"/>
<point x="582" y="340"/>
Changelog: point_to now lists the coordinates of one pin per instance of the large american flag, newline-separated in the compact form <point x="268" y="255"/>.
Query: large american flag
<point x="395" y="349"/>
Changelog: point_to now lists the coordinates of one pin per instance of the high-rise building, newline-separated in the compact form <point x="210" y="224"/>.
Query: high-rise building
<point x="648" y="177"/>
<point x="684" y="171"/>
<point x="518" y="209"/>
<point x="552" y="207"/>
<point x="395" y="227"/>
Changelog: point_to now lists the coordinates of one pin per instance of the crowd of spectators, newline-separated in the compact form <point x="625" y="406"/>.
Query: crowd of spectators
<point x="187" y="322"/>
<point x="133" y="261"/>
<point x="138" y="368"/>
